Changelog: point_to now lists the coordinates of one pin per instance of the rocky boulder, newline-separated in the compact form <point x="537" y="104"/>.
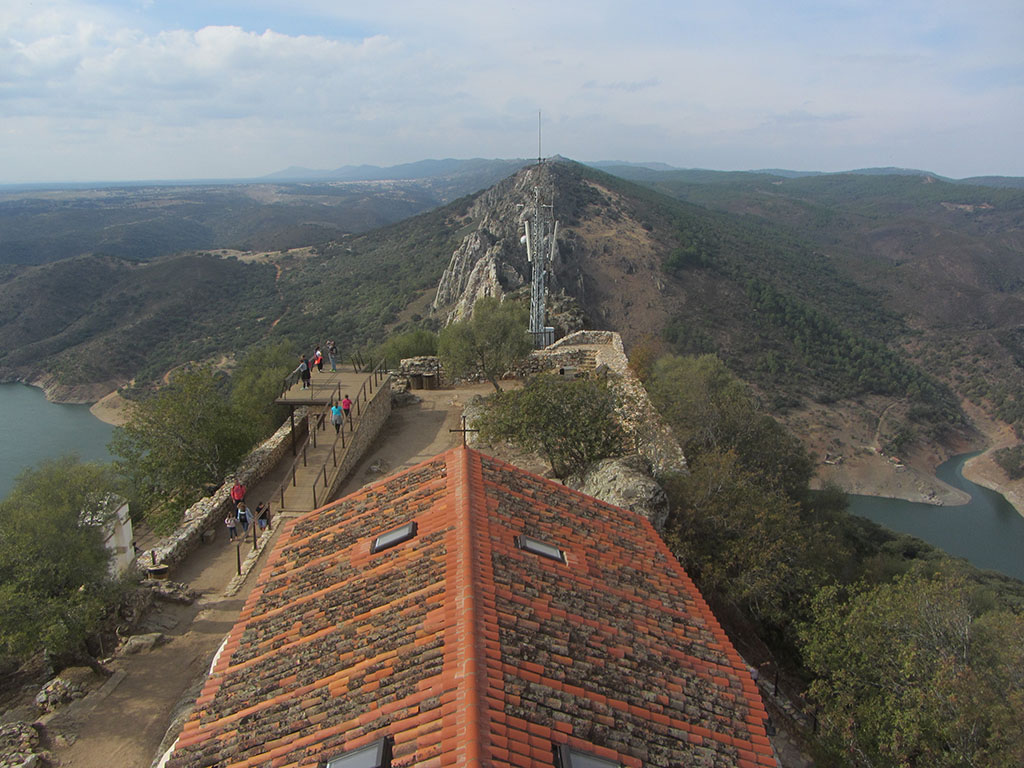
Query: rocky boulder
<point x="626" y="482"/>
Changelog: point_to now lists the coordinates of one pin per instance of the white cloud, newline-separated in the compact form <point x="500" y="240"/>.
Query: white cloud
<point x="105" y="90"/>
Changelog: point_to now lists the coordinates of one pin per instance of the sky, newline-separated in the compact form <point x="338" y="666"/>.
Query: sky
<point x="199" y="89"/>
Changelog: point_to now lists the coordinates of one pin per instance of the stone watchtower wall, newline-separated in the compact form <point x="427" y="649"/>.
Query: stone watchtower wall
<point x="651" y="437"/>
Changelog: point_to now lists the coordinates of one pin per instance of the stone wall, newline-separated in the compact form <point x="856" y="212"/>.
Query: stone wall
<point x="540" y="361"/>
<point x="211" y="510"/>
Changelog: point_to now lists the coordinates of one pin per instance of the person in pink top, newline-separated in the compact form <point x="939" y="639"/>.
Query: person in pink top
<point x="346" y="407"/>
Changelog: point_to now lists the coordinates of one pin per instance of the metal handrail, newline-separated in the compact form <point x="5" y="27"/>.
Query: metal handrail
<point x="318" y="421"/>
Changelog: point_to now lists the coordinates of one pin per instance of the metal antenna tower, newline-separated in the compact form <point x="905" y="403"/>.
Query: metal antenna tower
<point x="541" y="249"/>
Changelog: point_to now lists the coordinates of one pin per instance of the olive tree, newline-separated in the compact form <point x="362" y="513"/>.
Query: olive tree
<point x="184" y="436"/>
<point x="54" y="582"/>
<point x="490" y="343"/>
<point x="571" y="423"/>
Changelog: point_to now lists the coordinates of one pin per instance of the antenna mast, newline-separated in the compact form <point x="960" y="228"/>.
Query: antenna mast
<point x="539" y="154"/>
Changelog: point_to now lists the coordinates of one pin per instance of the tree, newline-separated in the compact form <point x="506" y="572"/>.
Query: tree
<point x="711" y="410"/>
<point x="490" y="343"/>
<point x="414" y="343"/>
<point x="256" y="383"/>
<point x="742" y="541"/>
<point x="181" y="438"/>
<point x="54" y="583"/>
<point x="571" y="423"/>
<point x="918" y="672"/>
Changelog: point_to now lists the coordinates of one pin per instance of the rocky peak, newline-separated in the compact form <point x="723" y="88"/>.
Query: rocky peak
<point x="491" y="261"/>
<point x="607" y="263"/>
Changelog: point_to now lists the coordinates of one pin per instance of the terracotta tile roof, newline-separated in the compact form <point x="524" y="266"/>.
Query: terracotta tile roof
<point x="469" y="651"/>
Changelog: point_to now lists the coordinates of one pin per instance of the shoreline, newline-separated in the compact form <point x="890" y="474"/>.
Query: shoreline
<point x="111" y="409"/>
<point x="982" y="469"/>
<point x="103" y="399"/>
<point x="874" y="475"/>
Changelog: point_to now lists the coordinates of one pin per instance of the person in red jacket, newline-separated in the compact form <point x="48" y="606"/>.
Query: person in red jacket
<point x="237" y="492"/>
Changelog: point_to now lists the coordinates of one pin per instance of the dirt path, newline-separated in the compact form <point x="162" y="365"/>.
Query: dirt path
<point x="123" y="723"/>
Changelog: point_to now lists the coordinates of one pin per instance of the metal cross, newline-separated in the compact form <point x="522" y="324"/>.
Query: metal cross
<point x="464" y="430"/>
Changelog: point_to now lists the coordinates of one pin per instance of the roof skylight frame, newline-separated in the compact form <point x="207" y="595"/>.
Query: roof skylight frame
<point x="375" y="755"/>
<point x="542" y="548"/>
<point x="394" y="537"/>
<point x="567" y="757"/>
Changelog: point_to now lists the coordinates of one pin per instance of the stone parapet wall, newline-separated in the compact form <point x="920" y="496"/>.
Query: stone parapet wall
<point x="578" y="338"/>
<point x="211" y="510"/>
<point x="422" y="364"/>
<point x="543" y="360"/>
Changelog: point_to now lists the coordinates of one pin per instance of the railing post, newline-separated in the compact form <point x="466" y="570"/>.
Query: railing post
<point x="293" y="476"/>
<point x="334" y="452"/>
<point x="315" y="505"/>
<point x="325" y="474"/>
<point x="304" y="455"/>
<point x="282" y="496"/>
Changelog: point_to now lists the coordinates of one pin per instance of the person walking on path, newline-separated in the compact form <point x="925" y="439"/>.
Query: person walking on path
<point x="346" y="407"/>
<point x="303" y="371"/>
<point x="332" y="355"/>
<point x="262" y="515"/>
<point x="244" y="516"/>
<point x="336" y="417"/>
<point x="237" y="492"/>
<point x="232" y="523"/>
<point x="318" y="360"/>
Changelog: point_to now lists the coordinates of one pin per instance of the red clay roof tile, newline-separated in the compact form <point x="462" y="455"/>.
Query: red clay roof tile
<point x="469" y="651"/>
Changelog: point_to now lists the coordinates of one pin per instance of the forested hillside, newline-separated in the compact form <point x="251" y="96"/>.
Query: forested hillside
<point x="868" y="293"/>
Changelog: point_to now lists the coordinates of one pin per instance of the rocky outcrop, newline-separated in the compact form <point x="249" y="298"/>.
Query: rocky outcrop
<point x="491" y="261"/>
<point x="626" y="482"/>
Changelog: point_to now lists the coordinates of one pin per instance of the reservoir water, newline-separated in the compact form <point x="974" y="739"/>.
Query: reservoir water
<point x="33" y="429"/>
<point x="988" y="531"/>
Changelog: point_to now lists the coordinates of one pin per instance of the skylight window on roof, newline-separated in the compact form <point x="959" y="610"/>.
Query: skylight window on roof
<point x="377" y="755"/>
<point x="573" y="758"/>
<point x="393" y="537"/>
<point x="542" y="548"/>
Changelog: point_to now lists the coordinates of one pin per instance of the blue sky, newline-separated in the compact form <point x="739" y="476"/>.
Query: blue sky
<point x="168" y="89"/>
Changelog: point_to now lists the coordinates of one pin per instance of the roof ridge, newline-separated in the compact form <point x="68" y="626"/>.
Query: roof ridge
<point x="465" y="482"/>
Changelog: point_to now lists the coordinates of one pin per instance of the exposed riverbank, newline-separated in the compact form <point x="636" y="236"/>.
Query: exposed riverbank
<point x="102" y="398"/>
<point x="112" y="409"/>
<point x="912" y="478"/>
<point x="983" y="470"/>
